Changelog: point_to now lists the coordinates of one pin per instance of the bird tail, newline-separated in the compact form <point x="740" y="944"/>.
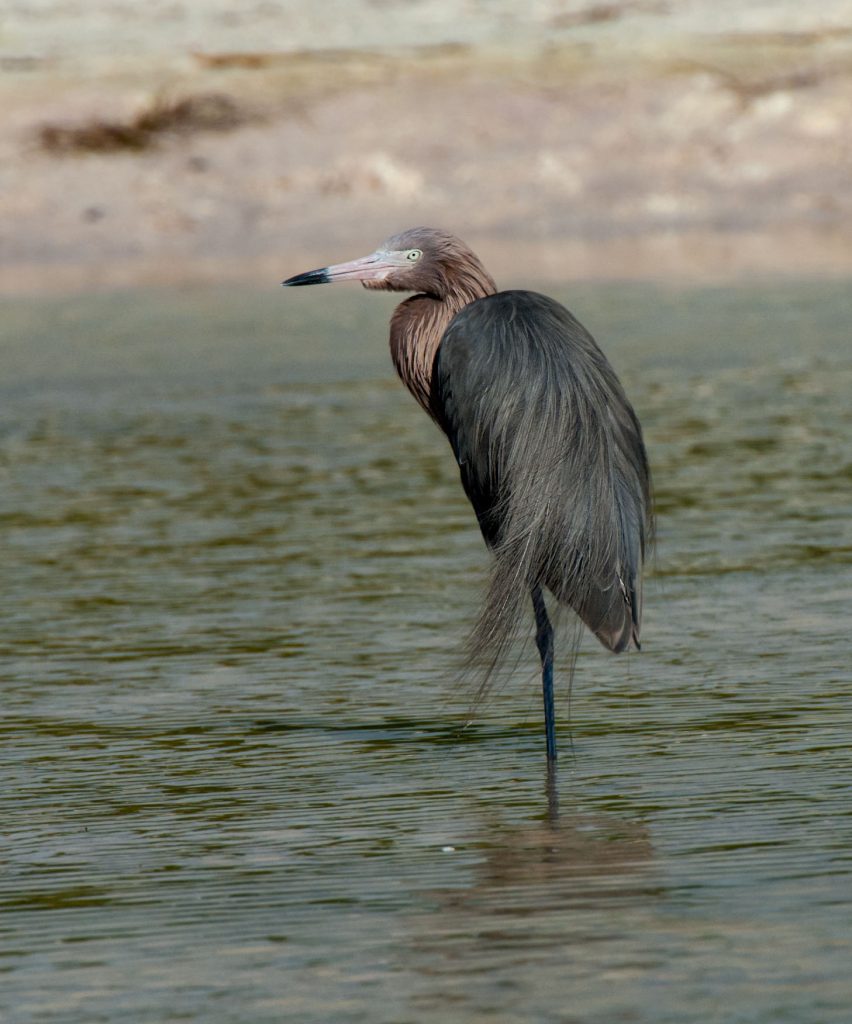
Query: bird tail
<point x="571" y="514"/>
<point x="552" y="542"/>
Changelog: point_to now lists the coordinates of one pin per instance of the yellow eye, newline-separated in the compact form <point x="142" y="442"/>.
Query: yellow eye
<point x="413" y="255"/>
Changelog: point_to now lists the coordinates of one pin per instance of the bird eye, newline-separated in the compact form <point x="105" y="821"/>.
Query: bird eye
<point x="413" y="255"/>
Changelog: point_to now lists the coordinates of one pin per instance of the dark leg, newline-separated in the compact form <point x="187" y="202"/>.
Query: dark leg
<point x="544" y="642"/>
<point x="552" y="794"/>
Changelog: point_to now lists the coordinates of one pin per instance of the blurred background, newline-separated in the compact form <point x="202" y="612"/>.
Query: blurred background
<point x="205" y="140"/>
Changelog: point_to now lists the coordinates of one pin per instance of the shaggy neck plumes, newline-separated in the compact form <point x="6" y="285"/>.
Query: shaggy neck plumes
<point x="450" y="280"/>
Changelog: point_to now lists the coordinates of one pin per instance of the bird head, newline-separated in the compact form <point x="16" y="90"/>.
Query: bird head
<point x="417" y="260"/>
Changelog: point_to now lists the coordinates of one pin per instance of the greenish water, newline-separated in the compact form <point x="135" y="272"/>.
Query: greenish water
<point x="237" y="780"/>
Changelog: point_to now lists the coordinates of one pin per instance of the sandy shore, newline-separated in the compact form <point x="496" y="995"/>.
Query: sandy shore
<point x="695" y="159"/>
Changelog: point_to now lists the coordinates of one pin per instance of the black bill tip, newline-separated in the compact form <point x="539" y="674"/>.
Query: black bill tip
<point x="309" y="277"/>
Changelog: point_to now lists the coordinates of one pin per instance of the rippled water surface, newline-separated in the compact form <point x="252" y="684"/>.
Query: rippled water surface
<point x="239" y="783"/>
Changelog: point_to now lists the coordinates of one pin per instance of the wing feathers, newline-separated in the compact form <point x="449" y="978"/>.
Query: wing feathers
<point x="552" y="459"/>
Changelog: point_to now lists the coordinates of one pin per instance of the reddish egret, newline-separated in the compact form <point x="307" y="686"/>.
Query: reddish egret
<point x="550" y="450"/>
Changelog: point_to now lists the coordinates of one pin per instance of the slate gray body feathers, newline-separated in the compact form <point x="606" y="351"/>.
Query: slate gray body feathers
<point x="552" y="459"/>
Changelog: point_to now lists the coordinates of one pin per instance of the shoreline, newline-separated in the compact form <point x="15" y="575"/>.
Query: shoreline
<point x="726" y="160"/>
<point x="683" y="262"/>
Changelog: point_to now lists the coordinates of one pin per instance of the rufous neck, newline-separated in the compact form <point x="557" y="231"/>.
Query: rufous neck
<point x="416" y="330"/>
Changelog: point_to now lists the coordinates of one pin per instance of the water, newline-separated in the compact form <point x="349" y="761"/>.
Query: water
<point x="238" y="780"/>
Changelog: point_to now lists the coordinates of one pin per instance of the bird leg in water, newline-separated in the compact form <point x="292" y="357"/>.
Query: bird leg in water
<point x="544" y="642"/>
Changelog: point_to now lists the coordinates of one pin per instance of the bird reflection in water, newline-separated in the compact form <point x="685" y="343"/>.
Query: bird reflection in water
<point x="546" y="901"/>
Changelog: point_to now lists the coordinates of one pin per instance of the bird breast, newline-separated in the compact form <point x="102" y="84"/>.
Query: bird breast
<point x="416" y="329"/>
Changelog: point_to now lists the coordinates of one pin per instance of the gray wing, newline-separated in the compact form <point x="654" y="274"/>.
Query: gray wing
<point x="552" y="459"/>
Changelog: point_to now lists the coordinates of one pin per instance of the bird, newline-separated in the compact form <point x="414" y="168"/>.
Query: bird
<point x="549" y="449"/>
